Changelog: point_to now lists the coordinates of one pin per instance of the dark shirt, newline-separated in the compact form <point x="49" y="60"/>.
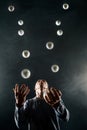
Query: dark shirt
<point x="39" y="115"/>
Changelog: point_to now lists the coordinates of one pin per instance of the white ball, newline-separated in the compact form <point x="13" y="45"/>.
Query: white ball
<point x="25" y="73"/>
<point x="49" y="45"/>
<point x="60" y="32"/>
<point x="11" y="8"/>
<point x="21" y="32"/>
<point x="20" y="22"/>
<point x="26" y="53"/>
<point x="65" y="6"/>
<point x="55" y="68"/>
<point x="58" y="22"/>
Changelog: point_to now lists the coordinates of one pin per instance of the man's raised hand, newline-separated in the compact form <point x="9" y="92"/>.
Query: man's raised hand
<point x="21" y="94"/>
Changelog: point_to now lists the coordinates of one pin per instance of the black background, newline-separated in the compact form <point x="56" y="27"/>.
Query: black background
<point x="69" y="52"/>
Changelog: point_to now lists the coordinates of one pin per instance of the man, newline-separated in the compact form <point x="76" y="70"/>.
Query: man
<point x="41" y="112"/>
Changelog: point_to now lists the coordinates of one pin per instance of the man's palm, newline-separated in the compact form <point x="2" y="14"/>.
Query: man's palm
<point x="21" y="93"/>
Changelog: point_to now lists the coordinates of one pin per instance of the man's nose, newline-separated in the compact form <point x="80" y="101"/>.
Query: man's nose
<point x="41" y="85"/>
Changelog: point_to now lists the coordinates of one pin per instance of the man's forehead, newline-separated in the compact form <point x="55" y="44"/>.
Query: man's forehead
<point x="39" y="87"/>
<point x="40" y="84"/>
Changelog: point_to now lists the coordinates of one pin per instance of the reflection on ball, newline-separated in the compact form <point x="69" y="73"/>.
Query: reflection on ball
<point x="25" y="73"/>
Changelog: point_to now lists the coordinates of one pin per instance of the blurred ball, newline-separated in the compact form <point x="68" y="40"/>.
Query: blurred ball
<point x="49" y="45"/>
<point x="21" y="32"/>
<point x="55" y="68"/>
<point x="58" y="22"/>
<point x="60" y="32"/>
<point x="11" y="8"/>
<point x="25" y="73"/>
<point x="20" y="22"/>
<point x="65" y="6"/>
<point x="26" y="53"/>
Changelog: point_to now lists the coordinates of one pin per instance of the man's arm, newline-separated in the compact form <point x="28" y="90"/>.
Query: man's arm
<point x="53" y="98"/>
<point x="21" y="105"/>
<point x="21" y="115"/>
<point x="62" y="111"/>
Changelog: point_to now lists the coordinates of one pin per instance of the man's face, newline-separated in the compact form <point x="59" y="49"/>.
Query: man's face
<point x="41" y="87"/>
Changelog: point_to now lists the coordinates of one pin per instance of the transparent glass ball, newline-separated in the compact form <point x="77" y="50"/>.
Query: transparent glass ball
<point x="11" y="8"/>
<point x="25" y="54"/>
<point x="59" y="32"/>
<point x="21" y="32"/>
<point x="49" y="45"/>
<point x="55" y="68"/>
<point x="20" y="22"/>
<point x="58" y="22"/>
<point x="25" y="73"/>
<point x="65" y="6"/>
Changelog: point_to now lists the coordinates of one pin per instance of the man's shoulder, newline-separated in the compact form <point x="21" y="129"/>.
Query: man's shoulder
<point x="31" y="100"/>
<point x="30" y="103"/>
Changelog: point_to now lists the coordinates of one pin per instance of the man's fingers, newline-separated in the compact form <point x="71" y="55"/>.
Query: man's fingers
<point x="55" y="92"/>
<point x="60" y="93"/>
<point x="51" y="96"/>
<point x="22" y="88"/>
<point x="16" y="89"/>
<point x="47" y="99"/>
<point x="26" y="92"/>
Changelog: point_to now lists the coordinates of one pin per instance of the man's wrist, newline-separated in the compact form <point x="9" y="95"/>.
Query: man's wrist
<point x="19" y="105"/>
<point x="56" y="104"/>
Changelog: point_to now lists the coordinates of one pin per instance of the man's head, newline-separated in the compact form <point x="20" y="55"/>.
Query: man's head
<point x="41" y="87"/>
